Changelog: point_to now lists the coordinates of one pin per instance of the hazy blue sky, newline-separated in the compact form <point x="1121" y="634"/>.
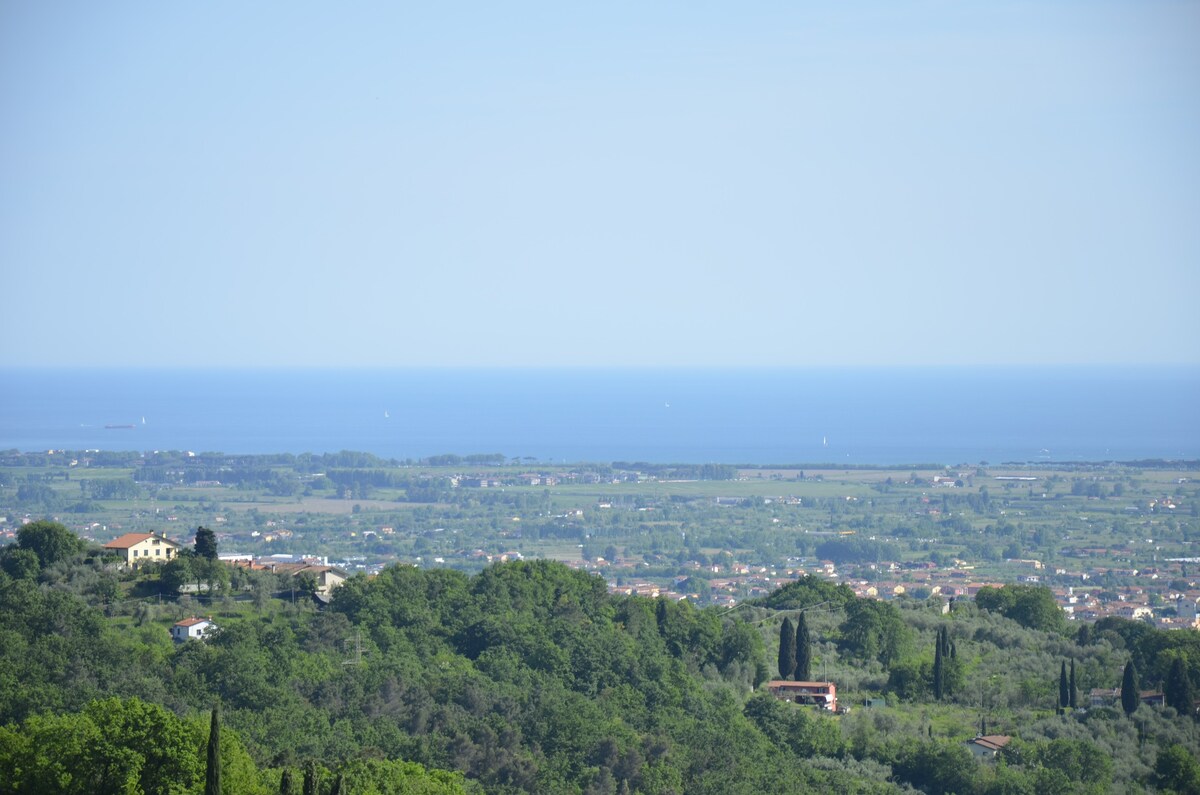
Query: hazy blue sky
<point x="595" y="184"/>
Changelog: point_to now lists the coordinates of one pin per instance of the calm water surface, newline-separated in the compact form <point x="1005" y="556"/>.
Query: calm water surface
<point x="840" y="416"/>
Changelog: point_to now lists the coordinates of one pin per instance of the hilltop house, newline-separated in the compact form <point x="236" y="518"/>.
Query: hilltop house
<point x="140" y="548"/>
<point x="988" y="746"/>
<point x="820" y="694"/>
<point x="327" y="577"/>
<point x="191" y="628"/>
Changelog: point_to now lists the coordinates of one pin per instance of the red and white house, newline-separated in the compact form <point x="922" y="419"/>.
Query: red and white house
<point x="987" y="746"/>
<point x="192" y="629"/>
<point x="818" y="694"/>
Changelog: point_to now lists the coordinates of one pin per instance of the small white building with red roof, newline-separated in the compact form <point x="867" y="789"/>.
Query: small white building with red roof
<point x="192" y="629"/>
<point x="987" y="746"/>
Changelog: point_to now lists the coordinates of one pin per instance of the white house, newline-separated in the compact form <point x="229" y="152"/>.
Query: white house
<point x="987" y="746"/>
<point x="192" y="629"/>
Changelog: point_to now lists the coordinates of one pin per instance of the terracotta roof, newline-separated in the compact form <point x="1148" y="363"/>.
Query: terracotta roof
<point x="191" y="622"/>
<point x="128" y="540"/>
<point x="992" y="742"/>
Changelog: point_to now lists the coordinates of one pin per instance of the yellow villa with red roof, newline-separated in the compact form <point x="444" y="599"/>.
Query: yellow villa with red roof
<point x="141" y="548"/>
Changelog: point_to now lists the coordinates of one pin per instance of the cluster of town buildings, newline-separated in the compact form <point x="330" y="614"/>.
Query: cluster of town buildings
<point x="728" y="585"/>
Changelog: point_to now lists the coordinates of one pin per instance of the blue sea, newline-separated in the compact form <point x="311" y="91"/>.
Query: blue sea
<point x="764" y="416"/>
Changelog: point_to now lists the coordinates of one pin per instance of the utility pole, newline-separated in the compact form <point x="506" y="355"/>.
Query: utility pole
<point x="357" y="649"/>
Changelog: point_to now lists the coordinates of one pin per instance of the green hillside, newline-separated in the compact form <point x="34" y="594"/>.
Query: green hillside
<point x="531" y="677"/>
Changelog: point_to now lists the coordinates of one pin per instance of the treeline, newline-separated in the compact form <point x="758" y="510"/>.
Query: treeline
<point x="47" y="499"/>
<point x="679" y="471"/>
<point x="857" y="550"/>
<point x="356" y="474"/>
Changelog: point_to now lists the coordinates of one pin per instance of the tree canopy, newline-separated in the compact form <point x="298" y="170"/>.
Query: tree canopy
<point x="50" y="541"/>
<point x="875" y="630"/>
<point x="1030" y="606"/>
<point x="807" y="591"/>
<point x="206" y="543"/>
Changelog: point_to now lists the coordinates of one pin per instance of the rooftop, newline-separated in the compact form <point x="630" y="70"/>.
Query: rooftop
<point x="133" y="539"/>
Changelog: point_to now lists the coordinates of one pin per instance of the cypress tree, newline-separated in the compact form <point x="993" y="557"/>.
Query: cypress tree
<point x="803" y="651"/>
<point x="1177" y="689"/>
<point x="310" y="778"/>
<point x="286" y="786"/>
<point x="953" y="651"/>
<point x="1064" y="695"/>
<point x="787" y="649"/>
<point x="206" y="543"/>
<point x="339" y="786"/>
<point x="1129" y="689"/>
<point x="939" y="673"/>
<point x="212" y="776"/>
<point x="1074" y="691"/>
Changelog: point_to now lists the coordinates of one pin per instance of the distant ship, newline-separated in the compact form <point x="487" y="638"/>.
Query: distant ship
<point x="119" y="427"/>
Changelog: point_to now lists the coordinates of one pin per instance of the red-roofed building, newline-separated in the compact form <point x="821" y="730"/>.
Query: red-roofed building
<point x="988" y="745"/>
<point x="820" y="694"/>
<point x="191" y="628"/>
<point x="140" y="548"/>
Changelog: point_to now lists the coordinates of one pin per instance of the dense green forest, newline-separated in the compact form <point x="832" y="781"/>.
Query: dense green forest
<point x="531" y="677"/>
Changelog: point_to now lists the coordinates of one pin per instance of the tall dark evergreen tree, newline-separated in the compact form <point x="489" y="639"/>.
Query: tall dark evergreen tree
<point x="939" y="670"/>
<point x="206" y="543"/>
<point x="787" y="649"/>
<point x="339" y="786"/>
<point x="286" y="785"/>
<point x="212" y="776"/>
<point x="803" y="651"/>
<point x="310" y="778"/>
<point x="1074" y="690"/>
<point x="1177" y="689"/>
<point x="1129" y="689"/>
<point x="1064" y="693"/>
